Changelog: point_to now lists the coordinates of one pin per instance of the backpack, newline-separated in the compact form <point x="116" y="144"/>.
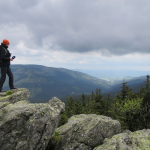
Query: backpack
<point x="5" y="52"/>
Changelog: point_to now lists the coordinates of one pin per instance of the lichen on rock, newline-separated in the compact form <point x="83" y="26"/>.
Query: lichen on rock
<point x="138" y="140"/>
<point x="86" y="131"/>
<point x="27" y="126"/>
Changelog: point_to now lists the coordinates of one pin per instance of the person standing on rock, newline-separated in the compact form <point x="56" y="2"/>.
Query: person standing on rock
<point x="5" y="65"/>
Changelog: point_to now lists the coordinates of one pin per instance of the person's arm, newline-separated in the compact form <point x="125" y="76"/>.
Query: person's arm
<point x="2" y="54"/>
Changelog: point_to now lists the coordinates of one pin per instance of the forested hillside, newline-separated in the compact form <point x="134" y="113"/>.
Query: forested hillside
<point x="131" y="109"/>
<point x="46" y="82"/>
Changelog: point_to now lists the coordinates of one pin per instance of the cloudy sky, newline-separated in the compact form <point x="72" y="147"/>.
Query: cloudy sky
<point x="78" y="34"/>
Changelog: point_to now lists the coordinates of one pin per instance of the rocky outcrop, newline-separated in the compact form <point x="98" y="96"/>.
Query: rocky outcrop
<point x="97" y="132"/>
<point x="139" y="140"/>
<point x="13" y="96"/>
<point x="25" y="125"/>
<point x="82" y="132"/>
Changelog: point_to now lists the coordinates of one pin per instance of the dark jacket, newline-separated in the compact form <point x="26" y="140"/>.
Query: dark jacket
<point x="4" y="59"/>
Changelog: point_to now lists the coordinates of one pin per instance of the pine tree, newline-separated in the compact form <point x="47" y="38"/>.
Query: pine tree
<point x="92" y="105"/>
<point x="141" y="92"/>
<point x="99" y="102"/>
<point x="78" y="107"/>
<point x="63" y="120"/>
<point x="116" y="100"/>
<point x="135" y="116"/>
<point x="83" y="100"/>
<point x="131" y="108"/>
<point x="124" y="92"/>
<point x="146" y="104"/>
<point x="94" y="102"/>
<point x="117" y="114"/>
<point x="107" y="105"/>
<point x="88" y="106"/>
<point x="131" y="95"/>
<point x="92" y="95"/>
<point x="70" y="107"/>
<point x="147" y="84"/>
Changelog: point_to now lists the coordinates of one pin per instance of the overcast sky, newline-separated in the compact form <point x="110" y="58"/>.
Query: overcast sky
<point x="78" y="34"/>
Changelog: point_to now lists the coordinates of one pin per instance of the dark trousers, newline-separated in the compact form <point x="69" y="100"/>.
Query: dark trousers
<point x="5" y="70"/>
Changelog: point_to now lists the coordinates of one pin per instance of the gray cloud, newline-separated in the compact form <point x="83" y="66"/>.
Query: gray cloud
<point x="80" y="26"/>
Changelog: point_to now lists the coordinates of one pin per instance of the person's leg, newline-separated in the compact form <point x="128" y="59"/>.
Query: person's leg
<point x="11" y="78"/>
<point x="3" y="76"/>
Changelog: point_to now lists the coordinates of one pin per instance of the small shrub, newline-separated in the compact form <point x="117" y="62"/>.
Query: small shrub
<point x="55" y="138"/>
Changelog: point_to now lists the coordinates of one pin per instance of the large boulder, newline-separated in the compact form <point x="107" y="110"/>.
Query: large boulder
<point x="84" y="132"/>
<point x="24" y="125"/>
<point x="138" y="140"/>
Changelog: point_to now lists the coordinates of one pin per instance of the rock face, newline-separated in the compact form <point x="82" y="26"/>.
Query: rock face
<point x="24" y="125"/>
<point x="82" y="132"/>
<point x="97" y="132"/>
<point x="139" y="140"/>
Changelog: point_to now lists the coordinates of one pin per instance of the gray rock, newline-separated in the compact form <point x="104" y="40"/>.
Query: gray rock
<point x="17" y="95"/>
<point x="27" y="126"/>
<point x="127" y="131"/>
<point x="138" y="140"/>
<point x="85" y="131"/>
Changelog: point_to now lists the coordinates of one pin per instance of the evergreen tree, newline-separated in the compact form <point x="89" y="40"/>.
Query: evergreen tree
<point x="92" y="95"/>
<point x="130" y="94"/>
<point x="117" y="99"/>
<point x="98" y="97"/>
<point x="141" y="91"/>
<point x="132" y="108"/>
<point x="99" y="102"/>
<point x="63" y="120"/>
<point x="67" y="109"/>
<point x="124" y="92"/>
<point x="147" y="84"/>
<point x="137" y="121"/>
<point x="107" y="105"/>
<point x="94" y="104"/>
<point x="88" y="106"/>
<point x="146" y="104"/>
<point x="70" y="107"/>
<point x="92" y="107"/>
<point x="83" y="100"/>
<point x="116" y="113"/>
<point x="78" y="105"/>
<point x="99" y="92"/>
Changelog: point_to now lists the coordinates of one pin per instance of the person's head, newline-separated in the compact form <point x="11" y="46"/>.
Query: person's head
<point x="6" y="42"/>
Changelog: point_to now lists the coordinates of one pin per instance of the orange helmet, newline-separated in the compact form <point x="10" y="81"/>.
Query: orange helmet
<point x="5" y="41"/>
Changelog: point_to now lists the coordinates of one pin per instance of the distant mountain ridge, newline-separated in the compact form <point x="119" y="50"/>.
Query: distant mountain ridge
<point x="46" y="82"/>
<point x="110" y="74"/>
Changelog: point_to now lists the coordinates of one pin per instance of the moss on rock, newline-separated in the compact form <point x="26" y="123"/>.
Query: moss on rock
<point x="55" y="138"/>
<point x="9" y="93"/>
